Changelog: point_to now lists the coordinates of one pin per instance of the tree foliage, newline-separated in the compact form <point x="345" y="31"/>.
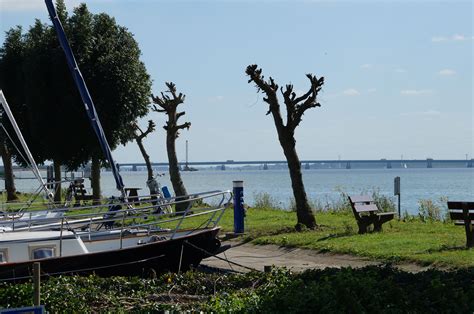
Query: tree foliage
<point x="55" y="119"/>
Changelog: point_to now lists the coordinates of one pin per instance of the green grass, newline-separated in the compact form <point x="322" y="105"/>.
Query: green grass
<point x="426" y="243"/>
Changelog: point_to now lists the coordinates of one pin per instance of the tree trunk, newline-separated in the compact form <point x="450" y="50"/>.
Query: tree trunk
<point x="57" y="178"/>
<point x="175" y="176"/>
<point x="150" y="178"/>
<point x="304" y="212"/>
<point x="8" y="173"/>
<point x="95" y="180"/>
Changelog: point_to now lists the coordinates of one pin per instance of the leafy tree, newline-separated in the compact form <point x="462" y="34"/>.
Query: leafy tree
<point x="11" y="83"/>
<point x="109" y="59"/>
<point x="295" y="108"/>
<point x="169" y="105"/>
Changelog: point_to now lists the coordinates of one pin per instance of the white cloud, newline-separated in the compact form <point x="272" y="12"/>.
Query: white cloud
<point x="458" y="37"/>
<point x="366" y="66"/>
<point x="416" y="92"/>
<point x="455" y="37"/>
<point x="447" y="72"/>
<point x="31" y="5"/>
<point x="215" y="99"/>
<point x="438" y="39"/>
<point x="351" y="92"/>
<point x="428" y="113"/>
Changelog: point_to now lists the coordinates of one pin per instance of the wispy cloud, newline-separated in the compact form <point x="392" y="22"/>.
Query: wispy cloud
<point x="416" y="92"/>
<point x="216" y="98"/>
<point x="455" y="37"/>
<point x="447" y="72"/>
<point x="351" y="92"/>
<point x="428" y="113"/>
<point x="33" y="5"/>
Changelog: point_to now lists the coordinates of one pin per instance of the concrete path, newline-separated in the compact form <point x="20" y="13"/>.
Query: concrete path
<point x="257" y="256"/>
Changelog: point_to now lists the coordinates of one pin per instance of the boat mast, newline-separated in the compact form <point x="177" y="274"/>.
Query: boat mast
<point x="187" y="167"/>
<point x="34" y="166"/>
<point x="86" y="97"/>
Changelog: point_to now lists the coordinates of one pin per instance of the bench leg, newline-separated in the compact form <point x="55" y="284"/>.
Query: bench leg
<point x="362" y="227"/>
<point x="469" y="232"/>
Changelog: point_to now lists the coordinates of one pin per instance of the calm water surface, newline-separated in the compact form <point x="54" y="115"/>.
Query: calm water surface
<point x="323" y="185"/>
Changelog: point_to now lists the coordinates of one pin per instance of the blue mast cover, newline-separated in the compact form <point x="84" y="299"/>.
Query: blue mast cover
<point x="86" y="97"/>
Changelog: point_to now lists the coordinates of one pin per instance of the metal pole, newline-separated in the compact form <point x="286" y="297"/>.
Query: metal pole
<point x="37" y="283"/>
<point x="239" y="211"/>
<point x="396" y="191"/>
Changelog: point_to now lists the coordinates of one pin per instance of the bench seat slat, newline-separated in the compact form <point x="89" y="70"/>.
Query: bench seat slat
<point x="361" y="199"/>
<point x="460" y="205"/>
<point x="458" y="215"/>
<point x="365" y="208"/>
<point x="461" y="222"/>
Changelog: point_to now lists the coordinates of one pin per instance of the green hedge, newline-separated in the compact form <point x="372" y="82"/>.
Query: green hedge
<point x="370" y="289"/>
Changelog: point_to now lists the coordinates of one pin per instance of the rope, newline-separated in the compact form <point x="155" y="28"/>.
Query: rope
<point x="16" y="147"/>
<point x="86" y="269"/>
<point x="220" y="258"/>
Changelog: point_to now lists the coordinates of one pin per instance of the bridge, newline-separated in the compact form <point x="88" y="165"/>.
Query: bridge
<point x="319" y="164"/>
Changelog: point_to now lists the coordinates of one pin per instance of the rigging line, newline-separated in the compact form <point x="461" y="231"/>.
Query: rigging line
<point x="16" y="147"/>
<point x="222" y="259"/>
<point x="86" y="269"/>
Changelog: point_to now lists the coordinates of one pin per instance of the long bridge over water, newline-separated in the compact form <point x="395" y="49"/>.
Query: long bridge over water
<point x="324" y="164"/>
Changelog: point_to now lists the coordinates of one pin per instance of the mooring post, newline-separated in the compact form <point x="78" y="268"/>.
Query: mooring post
<point x="37" y="283"/>
<point x="239" y="211"/>
<point x="397" y="192"/>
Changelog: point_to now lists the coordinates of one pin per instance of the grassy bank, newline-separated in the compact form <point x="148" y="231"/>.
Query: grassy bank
<point x="413" y="240"/>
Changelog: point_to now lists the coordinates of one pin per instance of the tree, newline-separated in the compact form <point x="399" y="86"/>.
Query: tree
<point x="11" y="82"/>
<point x="295" y="108"/>
<point x="109" y="59"/>
<point x="139" y="136"/>
<point x="169" y="105"/>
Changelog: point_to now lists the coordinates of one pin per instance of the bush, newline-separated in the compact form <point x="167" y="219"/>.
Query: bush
<point x="372" y="289"/>
<point x="265" y="200"/>
<point x="428" y="210"/>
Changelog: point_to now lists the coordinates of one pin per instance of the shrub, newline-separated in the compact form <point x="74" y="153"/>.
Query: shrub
<point x="265" y="200"/>
<point x="428" y="210"/>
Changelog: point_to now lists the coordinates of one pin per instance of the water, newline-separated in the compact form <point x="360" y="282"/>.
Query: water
<point x="321" y="184"/>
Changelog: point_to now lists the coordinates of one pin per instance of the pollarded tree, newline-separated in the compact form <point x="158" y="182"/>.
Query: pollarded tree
<point x="139" y="136"/>
<point x="295" y="108"/>
<point x="169" y="105"/>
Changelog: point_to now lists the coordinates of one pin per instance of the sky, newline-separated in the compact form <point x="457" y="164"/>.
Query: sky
<point x="398" y="74"/>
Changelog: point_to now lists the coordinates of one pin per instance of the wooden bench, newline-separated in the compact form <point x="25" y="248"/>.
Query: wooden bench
<point x="366" y="213"/>
<point x="462" y="213"/>
<point x="77" y="190"/>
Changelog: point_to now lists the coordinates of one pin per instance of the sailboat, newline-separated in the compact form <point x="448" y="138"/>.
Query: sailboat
<point x="112" y="239"/>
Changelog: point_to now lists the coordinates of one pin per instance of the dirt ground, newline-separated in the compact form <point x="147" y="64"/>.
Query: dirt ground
<point x="258" y="256"/>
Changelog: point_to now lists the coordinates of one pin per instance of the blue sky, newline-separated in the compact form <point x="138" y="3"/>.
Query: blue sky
<point x="399" y="74"/>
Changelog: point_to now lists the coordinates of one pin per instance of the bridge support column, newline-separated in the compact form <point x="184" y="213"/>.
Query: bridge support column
<point x="389" y="165"/>
<point x="222" y="167"/>
<point x="348" y="165"/>
<point x="429" y="163"/>
<point x="470" y="163"/>
<point x="134" y="168"/>
<point x="265" y="167"/>
<point x="307" y="166"/>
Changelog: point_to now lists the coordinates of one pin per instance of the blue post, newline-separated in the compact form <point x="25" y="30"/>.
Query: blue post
<point x="239" y="211"/>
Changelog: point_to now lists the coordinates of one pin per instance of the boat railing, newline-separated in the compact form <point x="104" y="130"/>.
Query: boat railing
<point x="145" y="218"/>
